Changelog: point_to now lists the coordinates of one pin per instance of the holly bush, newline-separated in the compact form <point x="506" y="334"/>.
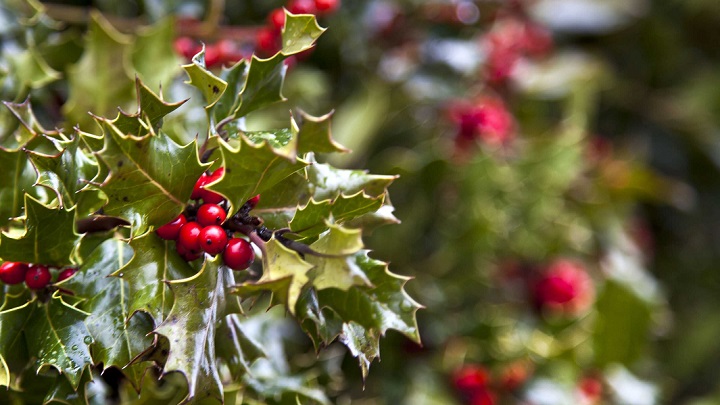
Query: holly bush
<point x="182" y="220"/>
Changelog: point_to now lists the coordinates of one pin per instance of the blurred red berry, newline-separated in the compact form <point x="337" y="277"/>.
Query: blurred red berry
<point x="186" y="47"/>
<point x="486" y="119"/>
<point x="564" y="287"/>
<point x="514" y="375"/>
<point x="302" y="6"/>
<point x="276" y="18"/>
<point x="470" y="377"/>
<point x="13" y="272"/>
<point x="212" y="56"/>
<point x="591" y="389"/>
<point x="326" y="6"/>
<point x="267" y="41"/>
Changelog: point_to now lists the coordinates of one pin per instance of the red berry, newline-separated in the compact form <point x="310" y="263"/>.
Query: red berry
<point x="302" y="7"/>
<point x="208" y="196"/>
<point x="471" y="377"/>
<point x="198" y="186"/>
<point x="37" y="277"/>
<point x="276" y="18"/>
<point x="564" y="286"/>
<point x="326" y="6"/>
<point x="188" y="255"/>
<point x="13" y="272"/>
<point x="171" y="230"/>
<point x="188" y="237"/>
<point x="211" y="214"/>
<point x="65" y="274"/>
<point x="238" y="254"/>
<point x="213" y="239"/>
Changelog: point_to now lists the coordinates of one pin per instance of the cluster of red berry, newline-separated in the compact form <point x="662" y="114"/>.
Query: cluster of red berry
<point x="35" y="276"/>
<point x="267" y="39"/>
<point x="487" y="119"/>
<point x="198" y="231"/>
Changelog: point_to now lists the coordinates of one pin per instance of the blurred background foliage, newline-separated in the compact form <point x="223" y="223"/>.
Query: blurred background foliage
<point x="575" y="141"/>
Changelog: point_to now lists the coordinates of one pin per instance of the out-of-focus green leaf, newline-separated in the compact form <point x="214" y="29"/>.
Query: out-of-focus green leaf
<point x="118" y="334"/>
<point x="235" y="347"/>
<point x="622" y="325"/>
<point x="61" y="391"/>
<point x="49" y="237"/>
<point x="153" y="54"/>
<point x="191" y="329"/>
<point x="100" y="81"/>
<point x="151" y="179"/>
<point x="299" y="33"/>
<point x="31" y="69"/>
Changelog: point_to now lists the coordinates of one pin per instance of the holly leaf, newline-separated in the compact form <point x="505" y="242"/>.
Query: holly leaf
<point x="18" y="178"/>
<point x="338" y="272"/>
<point x="154" y="262"/>
<point x="310" y="220"/>
<point x="150" y="112"/>
<point x="284" y="274"/>
<point x="363" y="343"/>
<point x="299" y="33"/>
<point x="31" y="69"/>
<point x="366" y="312"/>
<point x="315" y="135"/>
<point x="191" y="329"/>
<point x="251" y="169"/>
<point x="62" y="391"/>
<point x="327" y="182"/>
<point x="235" y="347"/>
<point x="211" y="86"/>
<point x="49" y="237"/>
<point x="57" y="336"/>
<point x="118" y="337"/>
<point x="100" y="81"/>
<point x="65" y="173"/>
<point x="15" y="314"/>
<point x="258" y="84"/>
<point x="151" y="178"/>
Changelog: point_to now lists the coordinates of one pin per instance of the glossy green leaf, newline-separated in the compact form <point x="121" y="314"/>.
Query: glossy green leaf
<point x="338" y="272"/>
<point x="17" y="179"/>
<point x="149" y="115"/>
<point x="65" y="173"/>
<point x="151" y="178"/>
<point x="327" y="182"/>
<point x="15" y="314"/>
<point x="251" y="169"/>
<point x="57" y="336"/>
<point x="154" y="262"/>
<point x="315" y="135"/>
<point x="363" y="343"/>
<point x="118" y="335"/>
<point x="235" y="347"/>
<point x="263" y="85"/>
<point x="191" y="329"/>
<point x="284" y="274"/>
<point x="211" y="86"/>
<point x="61" y="391"/>
<point x="310" y="220"/>
<point x="299" y="33"/>
<point x="49" y="237"/>
<point x="100" y="81"/>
